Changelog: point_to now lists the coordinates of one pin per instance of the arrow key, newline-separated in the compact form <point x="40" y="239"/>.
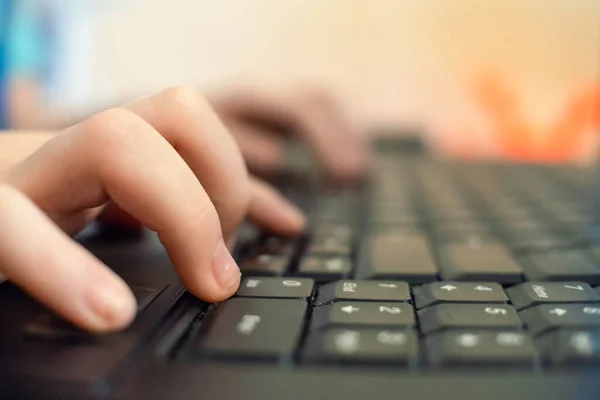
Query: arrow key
<point x="326" y="268"/>
<point x="458" y="292"/>
<point x="378" y="314"/>
<point x="548" y="317"/>
<point x="572" y="347"/>
<point x="364" y="291"/>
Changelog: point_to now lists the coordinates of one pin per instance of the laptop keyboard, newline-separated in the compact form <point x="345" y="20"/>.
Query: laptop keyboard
<point x="434" y="265"/>
<point x="430" y="266"/>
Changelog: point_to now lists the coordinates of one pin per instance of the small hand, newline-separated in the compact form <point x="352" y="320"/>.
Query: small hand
<point x="169" y="162"/>
<point x="258" y="120"/>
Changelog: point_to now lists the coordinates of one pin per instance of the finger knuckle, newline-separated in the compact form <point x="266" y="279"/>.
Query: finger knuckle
<point x="186" y="99"/>
<point x="110" y="131"/>
<point x="202" y="215"/>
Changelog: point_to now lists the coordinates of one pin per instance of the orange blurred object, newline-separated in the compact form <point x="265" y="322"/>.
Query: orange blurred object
<point x="518" y="138"/>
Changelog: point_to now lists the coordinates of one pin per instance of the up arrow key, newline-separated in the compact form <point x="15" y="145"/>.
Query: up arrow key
<point x="558" y="311"/>
<point x="350" y="309"/>
<point x="448" y="288"/>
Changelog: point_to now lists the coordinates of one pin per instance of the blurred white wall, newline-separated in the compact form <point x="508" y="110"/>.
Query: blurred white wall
<point x="390" y="60"/>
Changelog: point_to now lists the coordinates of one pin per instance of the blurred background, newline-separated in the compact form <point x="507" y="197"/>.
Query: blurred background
<point x="496" y="78"/>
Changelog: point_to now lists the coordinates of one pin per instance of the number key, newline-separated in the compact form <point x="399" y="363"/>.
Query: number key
<point x="466" y="316"/>
<point x="276" y="287"/>
<point x="364" y="291"/>
<point x="361" y="314"/>
<point x="533" y="293"/>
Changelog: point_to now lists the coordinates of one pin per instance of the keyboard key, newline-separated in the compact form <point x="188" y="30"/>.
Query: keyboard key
<point x="347" y="313"/>
<point x="523" y="241"/>
<point x="342" y="232"/>
<point x="49" y="326"/>
<point x="402" y="257"/>
<point x="533" y="293"/>
<point x="458" y="292"/>
<point x="362" y="345"/>
<point x="475" y="347"/>
<point x="276" y="245"/>
<point x="467" y="316"/>
<point x="364" y="291"/>
<point x="325" y="268"/>
<point x="480" y="262"/>
<point x="253" y="328"/>
<point x="467" y="238"/>
<point x="460" y="230"/>
<point x="290" y="288"/>
<point x="547" y="317"/>
<point x="561" y="266"/>
<point x="572" y="347"/>
<point x="265" y="265"/>
<point x="330" y="245"/>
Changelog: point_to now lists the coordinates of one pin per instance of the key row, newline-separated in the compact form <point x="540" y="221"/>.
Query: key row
<point x="521" y="296"/>
<point x="271" y="330"/>
<point x="407" y="255"/>
<point x="537" y="320"/>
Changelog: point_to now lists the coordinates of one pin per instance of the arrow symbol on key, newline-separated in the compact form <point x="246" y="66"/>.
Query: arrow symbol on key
<point x="558" y="311"/>
<point x="578" y="287"/>
<point x="483" y="288"/>
<point x="448" y="288"/>
<point x="350" y="309"/>
<point x="388" y="285"/>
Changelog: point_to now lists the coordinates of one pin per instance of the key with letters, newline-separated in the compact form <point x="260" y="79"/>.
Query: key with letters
<point x="283" y="288"/>
<point x="477" y="347"/>
<point x="264" y="329"/>
<point x="364" y="291"/>
<point x="533" y="293"/>
<point x="362" y="346"/>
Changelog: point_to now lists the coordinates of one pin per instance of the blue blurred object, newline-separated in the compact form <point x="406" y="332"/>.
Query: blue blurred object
<point x="26" y="46"/>
<point x="5" y="12"/>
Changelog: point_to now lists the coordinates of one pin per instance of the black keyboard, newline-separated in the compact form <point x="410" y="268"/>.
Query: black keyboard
<point x="436" y="280"/>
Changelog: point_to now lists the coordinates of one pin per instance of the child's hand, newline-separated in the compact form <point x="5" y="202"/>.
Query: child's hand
<point x="169" y="162"/>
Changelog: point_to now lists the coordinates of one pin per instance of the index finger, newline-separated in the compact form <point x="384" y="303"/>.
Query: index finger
<point x="117" y="155"/>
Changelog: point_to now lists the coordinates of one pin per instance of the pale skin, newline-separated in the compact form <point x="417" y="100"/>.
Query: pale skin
<point x="171" y="163"/>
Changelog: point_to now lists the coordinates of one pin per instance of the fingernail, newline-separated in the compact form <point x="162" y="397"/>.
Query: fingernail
<point x="112" y="304"/>
<point x="226" y="271"/>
